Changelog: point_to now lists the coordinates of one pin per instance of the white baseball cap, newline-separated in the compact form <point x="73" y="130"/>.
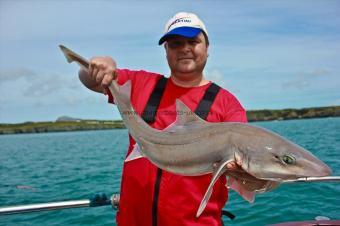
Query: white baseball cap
<point x="183" y="24"/>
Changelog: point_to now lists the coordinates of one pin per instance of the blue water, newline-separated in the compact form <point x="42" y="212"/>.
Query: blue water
<point x="75" y="165"/>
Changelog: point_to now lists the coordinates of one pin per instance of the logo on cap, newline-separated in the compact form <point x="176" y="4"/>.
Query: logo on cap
<point x="180" y="20"/>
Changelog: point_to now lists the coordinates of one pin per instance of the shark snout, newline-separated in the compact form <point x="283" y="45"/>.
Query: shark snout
<point x="320" y="169"/>
<point x="325" y="171"/>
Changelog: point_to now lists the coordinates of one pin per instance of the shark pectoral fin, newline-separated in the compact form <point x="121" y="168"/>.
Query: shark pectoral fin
<point x="237" y="186"/>
<point x="186" y="119"/>
<point x="220" y="169"/>
<point x="135" y="154"/>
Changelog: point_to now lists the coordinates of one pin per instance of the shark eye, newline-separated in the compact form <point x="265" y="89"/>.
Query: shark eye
<point x="288" y="159"/>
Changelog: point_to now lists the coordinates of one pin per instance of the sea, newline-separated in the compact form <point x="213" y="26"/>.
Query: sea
<point x="49" y="167"/>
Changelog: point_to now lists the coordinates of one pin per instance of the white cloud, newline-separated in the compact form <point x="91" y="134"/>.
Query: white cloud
<point x="319" y="72"/>
<point x="305" y="79"/>
<point x="36" y="83"/>
<point x="335" y="102"/>
<point x="217" y="77"/>
<point x="15" y="74"/>
<point x="88" y="99"/>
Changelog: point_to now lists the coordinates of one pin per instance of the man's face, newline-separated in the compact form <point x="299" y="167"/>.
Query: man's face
<point x="186" y="56"/>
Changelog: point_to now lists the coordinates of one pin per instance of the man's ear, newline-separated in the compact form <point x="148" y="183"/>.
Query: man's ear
<point x="166" y="48"/>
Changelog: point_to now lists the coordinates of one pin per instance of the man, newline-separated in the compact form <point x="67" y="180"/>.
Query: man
<point x="150" y="196"/>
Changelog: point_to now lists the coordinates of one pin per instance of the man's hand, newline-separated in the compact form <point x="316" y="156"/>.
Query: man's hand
<point x="101" y="72"/>
<point x="235" y="170"/>
<point x="233" y="166"/>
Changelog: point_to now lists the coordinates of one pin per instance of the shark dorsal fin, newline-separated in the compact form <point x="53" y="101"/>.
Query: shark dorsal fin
<point x="185" y="115"/>
<point x="185" y="118"/>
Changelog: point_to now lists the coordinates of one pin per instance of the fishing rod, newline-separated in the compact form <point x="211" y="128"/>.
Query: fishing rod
<point x="315" y="179"/>
<point x="96" y="200"/>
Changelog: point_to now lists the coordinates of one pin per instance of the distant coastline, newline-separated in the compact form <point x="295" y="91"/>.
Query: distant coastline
<point x="288" y="114"/>
<point x="65" y="123"/>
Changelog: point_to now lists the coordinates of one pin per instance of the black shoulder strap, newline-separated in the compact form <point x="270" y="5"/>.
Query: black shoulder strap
<point x="202" y="109"/>
<point x="204" y="105"/>
<point x="150" y="110"/>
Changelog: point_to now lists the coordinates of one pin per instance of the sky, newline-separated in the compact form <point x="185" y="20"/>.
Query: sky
<point x="269" y="54"/>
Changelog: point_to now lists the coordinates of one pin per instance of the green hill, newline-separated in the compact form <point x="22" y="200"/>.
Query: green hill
<point x="287" y="114"/>
<point x="59" y="126"/>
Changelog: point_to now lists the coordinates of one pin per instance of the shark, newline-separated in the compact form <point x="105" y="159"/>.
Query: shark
<point x="191" y="146"/>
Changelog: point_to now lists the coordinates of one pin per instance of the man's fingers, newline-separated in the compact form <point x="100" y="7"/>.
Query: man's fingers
<point x="107" y="80"/>
<point x="94" y="73"/>
<point x="233" y="166"/>
<point x="100" y="76"/>
<point x="230" y="166"/>
<point x="102" y="71"/>
<point x="90" y="69"/>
